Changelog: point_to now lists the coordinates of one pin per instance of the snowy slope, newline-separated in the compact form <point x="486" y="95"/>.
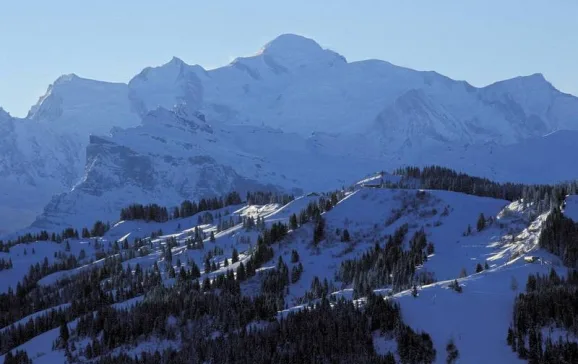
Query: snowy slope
<point x="481" y="314"/>
<point x="478" y="318"/>
<point x="571" y="207"/>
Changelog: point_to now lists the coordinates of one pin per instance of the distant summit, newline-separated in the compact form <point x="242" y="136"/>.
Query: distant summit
<point x="295" y="51"/>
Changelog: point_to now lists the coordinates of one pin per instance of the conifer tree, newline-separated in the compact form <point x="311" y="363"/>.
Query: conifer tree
<point x="64" y="333"/>
<point x="452" y="352"/>
<point x="294" y="256"/>
<point x="510" y="337"/>
<point x="345" y="237"/>
<point x="319" y="232"/>
<point x="293" y="222"/>
<point x="241" y="274"/>
<point x="481" y="225"/>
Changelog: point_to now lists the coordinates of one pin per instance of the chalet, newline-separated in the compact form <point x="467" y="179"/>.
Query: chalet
<point x="531" y="259"/>
<point x="374" y="185"/>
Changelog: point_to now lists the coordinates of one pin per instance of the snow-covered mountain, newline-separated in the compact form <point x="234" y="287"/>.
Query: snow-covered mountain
<point x="173" y="156"/>
<point x="45" y="153"/>
<point x="279" y="117"/>
<point x="35" y="162"/>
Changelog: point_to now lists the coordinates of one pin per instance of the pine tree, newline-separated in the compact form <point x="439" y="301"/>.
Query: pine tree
<point x="294" y="256"/>
<point x="182" y="274"/>
<point x="64" y="333"/>
<point x="345" y="237"/>
<point x="479" y="268"/>
<point x="293" y="224"/>
<point x="414" y="291"/>
<point x="319" y="232"/>
<point x="206" y="284"/>
<point x="296" y="273"/>
<point x="212" y="238"/>
<point x="235" y="257"/>
<point x="241" y="274"/>
<point x="195" y="271"/>
<point x="481" y="225"/>
<point x="452" y="352"/>
<point x="169" y="255"/>
<point x="510" y="337"/>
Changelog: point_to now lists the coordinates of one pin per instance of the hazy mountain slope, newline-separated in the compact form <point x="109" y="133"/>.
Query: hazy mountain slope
<point x="544" y="159"/>
<point x="45" y="153"/>
<point x="35" y="161"/>
<point x="172" y="157"/>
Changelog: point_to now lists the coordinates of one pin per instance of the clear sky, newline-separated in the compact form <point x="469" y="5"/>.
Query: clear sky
<point x="112" y="40"/>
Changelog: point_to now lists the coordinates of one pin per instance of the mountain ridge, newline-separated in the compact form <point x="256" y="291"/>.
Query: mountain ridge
<point x="386" y="115"/>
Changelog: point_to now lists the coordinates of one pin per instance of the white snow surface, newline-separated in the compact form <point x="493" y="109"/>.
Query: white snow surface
<point x="571" y="207"/>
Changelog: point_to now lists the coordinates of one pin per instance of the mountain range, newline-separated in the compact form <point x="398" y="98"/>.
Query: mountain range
<point x="294" y="117"/>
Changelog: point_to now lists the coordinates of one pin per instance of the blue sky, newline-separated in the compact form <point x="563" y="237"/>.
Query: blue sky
<point x="480" y="42"/>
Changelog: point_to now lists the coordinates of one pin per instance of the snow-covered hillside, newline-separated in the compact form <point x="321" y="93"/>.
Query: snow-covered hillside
<point x="477" y="319"/>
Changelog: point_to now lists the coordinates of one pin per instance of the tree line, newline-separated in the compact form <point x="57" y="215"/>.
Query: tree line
<point x="440" y="178"/>
<point x="313" y="335"/>
<point x="549" y="301"/>
<point x="98" y="229"/>
<point x="388" y="265"/>
<point x="157" y="213"/>
<point x="560" y="237"/>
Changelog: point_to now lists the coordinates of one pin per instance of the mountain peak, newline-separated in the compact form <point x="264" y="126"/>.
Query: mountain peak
<point x="175" y="61"/>
<point x="536" y="79"/>
<point x="291" y="42"/>
<point x="536" y="76"/>
<point x="66" y="78"/>
<point x="295" y="51"/>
